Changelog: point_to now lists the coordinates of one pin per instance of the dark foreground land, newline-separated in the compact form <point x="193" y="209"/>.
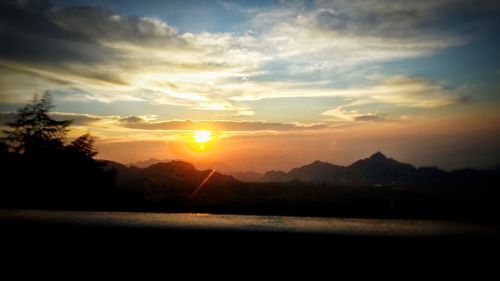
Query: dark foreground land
<point x="175" y="188"/>
<point x="294" y="199"/>
<point x="178" y="187"/>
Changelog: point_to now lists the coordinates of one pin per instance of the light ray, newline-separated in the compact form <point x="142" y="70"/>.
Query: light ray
<point x="201" y="185"/>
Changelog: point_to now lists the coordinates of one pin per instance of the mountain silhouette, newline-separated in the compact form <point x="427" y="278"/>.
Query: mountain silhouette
<point x="375" y="186"/>
<point x="174" y="180"/>
<point x="275" y="176"/>
<point x="380" y="170"/>
<point x="374" y="170"/>
<point x="147" y="163"/>
<point x="317" y="171"/>
<point x="247" y="176"/>
<point x="181" y="178"/>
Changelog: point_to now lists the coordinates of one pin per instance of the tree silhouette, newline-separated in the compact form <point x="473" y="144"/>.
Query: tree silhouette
<point x="41" y="171"/>
<point x="34" y="131"/>
<point x="84" y="145"/>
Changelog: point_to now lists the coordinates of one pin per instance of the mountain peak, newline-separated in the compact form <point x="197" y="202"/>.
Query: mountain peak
<point x="378" y="156"/>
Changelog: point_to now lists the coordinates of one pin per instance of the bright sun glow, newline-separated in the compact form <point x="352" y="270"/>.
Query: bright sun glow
<point x="202" y="136"/>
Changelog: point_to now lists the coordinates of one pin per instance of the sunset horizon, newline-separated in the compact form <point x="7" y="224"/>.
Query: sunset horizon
<point x="262" y="85"/>
<point x="253" y="128"/>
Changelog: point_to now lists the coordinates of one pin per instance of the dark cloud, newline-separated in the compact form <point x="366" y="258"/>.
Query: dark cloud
<point x="30" y="34"/>
<point x="380" y="17"/>
<point x="369" y="118"/>
<point x="77" y="119"/>
<point x="33" y="31"/>
<point x="103" y="24"/>
<point x="139" y="123"/>
<point x="132" y="120"/>
<point x="403" y="18"/>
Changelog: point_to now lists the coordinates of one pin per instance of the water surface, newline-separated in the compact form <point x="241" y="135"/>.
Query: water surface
<point x="249" y="223"/>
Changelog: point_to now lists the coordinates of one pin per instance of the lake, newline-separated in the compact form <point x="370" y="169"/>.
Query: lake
<point x="250" y="223"/>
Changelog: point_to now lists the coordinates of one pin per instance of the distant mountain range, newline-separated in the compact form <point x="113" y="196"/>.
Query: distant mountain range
<point x="376" y="186"/>
<point x="147" y="163"/>
<point x="377" y="170"/>
<point x="248" y="176"/>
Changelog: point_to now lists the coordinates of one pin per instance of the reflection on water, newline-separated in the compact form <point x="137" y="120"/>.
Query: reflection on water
<point x="196" y="221"/>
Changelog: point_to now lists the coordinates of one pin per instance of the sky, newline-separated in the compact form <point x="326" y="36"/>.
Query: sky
<point x="278" y="84"/>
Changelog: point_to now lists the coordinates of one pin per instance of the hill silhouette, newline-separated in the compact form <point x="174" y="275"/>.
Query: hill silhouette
<point x="248" y="176"/>
<point x="170" y="181"/>
<point x="380" y="170"/>
<point x="147" y="163"/>
<point x="377" y="170"/>
<point x="376" y="186"/>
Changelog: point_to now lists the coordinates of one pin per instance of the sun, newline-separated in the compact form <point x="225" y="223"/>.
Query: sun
<point x="202" y="136"/>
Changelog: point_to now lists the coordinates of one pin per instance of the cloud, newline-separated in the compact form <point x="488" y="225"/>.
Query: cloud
<point x="77" y="119"/>
<point x="369" y="117"/>
<point x="113" y="57"/>
<point x="132" y="120"/>
<point x="110" y="128"/>
<point x="340" y="34"/>
<point x="39" y="33"/>
<point x="138" y="123"/>
<point x="345" y="113"/>
<point x="405" y="91"/>
<point x="415" y="92"/>
<point x="399" y="91"/>
<point x="25" y="24"/>
<point x="93" y="53"/>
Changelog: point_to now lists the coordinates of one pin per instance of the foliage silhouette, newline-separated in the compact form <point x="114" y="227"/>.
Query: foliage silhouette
<point x="34" y="131"/>
<point x="43" y="172"/>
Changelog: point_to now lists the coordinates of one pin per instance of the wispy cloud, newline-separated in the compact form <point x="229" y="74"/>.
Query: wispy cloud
<point x="77" y="119"/>
<point x="369" y="118"/>
<point x="342" y="34"/>
<point x="134" y="122"/>
<point x="396" y="90"/>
